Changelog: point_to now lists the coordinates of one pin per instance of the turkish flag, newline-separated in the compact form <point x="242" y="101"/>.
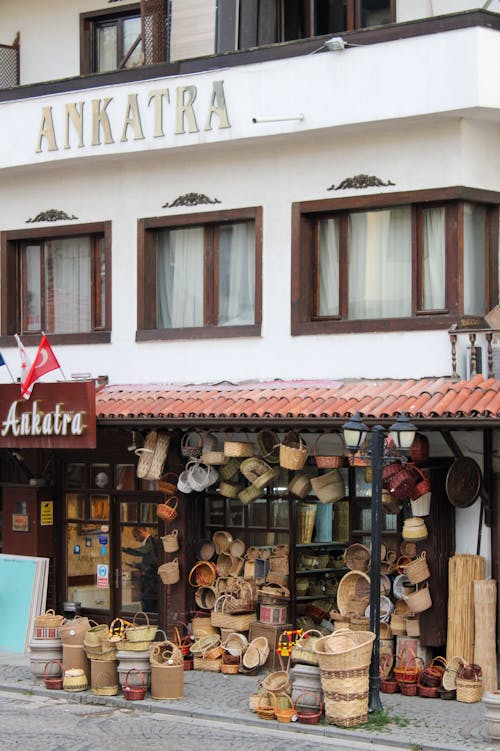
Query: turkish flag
<point x="45" y="361"/>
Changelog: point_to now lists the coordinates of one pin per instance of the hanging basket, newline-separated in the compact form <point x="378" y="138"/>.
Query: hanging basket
<point x="417" y="570"/>
<point x="323" y="461"/>
<point x="420" y="600"/>
<point x="357" y="557"/>
<point x="268" y="445"/>
<point x="222" y="540"/>
<point x="293" y="451"/>
<point x="329" y="487"/>
<point x="192" y="444"/>
<point x="239" y="449"/>
<point x="353" y="594"/>
<point x="170" y="541"/>
<point x="169" y="572"/>
<point x="152" y="456"/>
<point x="200" y="476"/>
<point x="168" y="484"/>
<point x="203" y="574"/>
<point x="167" y="511"/>
<point x="300" y="485"/>
<point x="414" y="528"/>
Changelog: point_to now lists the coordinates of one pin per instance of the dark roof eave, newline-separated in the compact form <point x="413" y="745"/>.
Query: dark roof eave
<point x="307" y="423"/>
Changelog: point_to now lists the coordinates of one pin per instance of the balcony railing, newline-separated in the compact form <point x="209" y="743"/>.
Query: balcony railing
<point x="467" y="338"/>
<point x="9" y="66"/>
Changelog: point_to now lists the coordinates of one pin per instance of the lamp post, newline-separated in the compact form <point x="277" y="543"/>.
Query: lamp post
<point x="402" y="433"/>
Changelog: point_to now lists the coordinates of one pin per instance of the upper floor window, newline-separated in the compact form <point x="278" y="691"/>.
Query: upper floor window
<point x="200" y="274"/>
<point x="258" y="22"/>
<point x="58" y="282"/>
<point x="111" y="40"/>
<point x="377" y="262"/>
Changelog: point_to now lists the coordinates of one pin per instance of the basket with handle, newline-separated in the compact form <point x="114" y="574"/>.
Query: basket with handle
<point x="310" y="713"/>
<point x="141" y="632"/>
<point x="165" y="652"/>
<point x="170" y="541"/>
<point x="167" y="511"/>
<point x="168" y="484"/>
<point x="235" y="621"/>
<point x="200" y="475"/>
<point x="419" y="600"/>
<point x="274" y="594"/>
<point x="284" y="708"/>
<point x="417" y="570"/>
<point x="353" y="594"/>
<point x="265" y="706"/>
<point x="183" y="483"/>
<point x="408" y="666"/>
<point x="422" y="484"/>
<point x="134" y="692"/>
<point x="53" y="681"/>
<point x="268" y="445"/>
<point x="183" y="641"/>
<point x="46" y="626"/>
<point x="192" y="444"/>
<point x="293" y="451"/>
<point x="303" y="649"/>
<point x="249" y="494"/>
<point x="469" y="684"/>
<point x="222" y="539"/>
<point x="230" y="664"/>
<point x="323" y="461"/>
<point x="432" y="675"/>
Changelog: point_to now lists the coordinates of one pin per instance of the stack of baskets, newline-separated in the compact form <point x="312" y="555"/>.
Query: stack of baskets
<point x="344" y="661"/>
<point x="138" y="637"/>
<point x="167" y="671"/>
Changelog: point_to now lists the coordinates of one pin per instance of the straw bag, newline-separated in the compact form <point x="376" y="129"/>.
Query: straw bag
<point x="152" y="456"/>
<point x="417" y="570"/>
<point x="171" y="541"/>
<point x="143" y="632"/>
<point x="303" y="650"/>
<point x="167" y="511"/>
<point x="293" y="451"/>
<point x="72" y="632"/>
<point x="268" y="445"/>
<point x="329" y="487"/>
<point x="327" y="462"/>
<point x="169" y="572"/>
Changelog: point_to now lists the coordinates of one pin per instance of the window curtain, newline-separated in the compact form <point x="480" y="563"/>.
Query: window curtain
<point x="179" y="284"/>
<point x="379" y="264"/>
<point x="434" y="259"/>
<point x="67" y="285"/>
<point x="328" y="303"/>
<point x="237" y="274"/>
<point x="474" y="260"/>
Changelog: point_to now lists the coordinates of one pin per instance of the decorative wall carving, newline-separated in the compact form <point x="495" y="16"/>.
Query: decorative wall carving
<point x="190" y="199"/>
<point x="360" y="181"/>
<point x="51" y="215"/>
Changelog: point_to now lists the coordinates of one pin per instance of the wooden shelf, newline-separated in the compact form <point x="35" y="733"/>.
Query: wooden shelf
<point x="368" y="532"/>
<point x="304" y="598"/>
<point x="331" y="545"/>
<point x="307" y="571"/>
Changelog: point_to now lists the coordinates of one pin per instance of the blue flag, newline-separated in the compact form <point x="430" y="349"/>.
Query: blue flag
<point x="2" y="361"/>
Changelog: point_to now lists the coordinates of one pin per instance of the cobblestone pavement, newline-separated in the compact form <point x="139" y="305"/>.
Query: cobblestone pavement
<point x="211" y="698"/>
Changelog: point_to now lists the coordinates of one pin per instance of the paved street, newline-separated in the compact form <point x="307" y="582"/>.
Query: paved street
<point x="36" y="723"/>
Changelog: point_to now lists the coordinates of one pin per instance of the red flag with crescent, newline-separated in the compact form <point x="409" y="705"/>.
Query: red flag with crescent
<point x="45" y="361"/>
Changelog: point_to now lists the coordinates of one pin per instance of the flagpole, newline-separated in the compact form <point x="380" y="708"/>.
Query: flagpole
<point x="62" y="371"/>
<point x="9" y="371"/>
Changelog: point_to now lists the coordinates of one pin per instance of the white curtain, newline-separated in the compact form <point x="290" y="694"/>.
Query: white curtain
<point x="68" y="285"/>
<point x="474" y="260"/>
<point x="379" y="264"/>
<point x="180" y="278"/>
<point x="328" y="304"/>
<point x="434" y="259"/>
<point x="237" y="274"/>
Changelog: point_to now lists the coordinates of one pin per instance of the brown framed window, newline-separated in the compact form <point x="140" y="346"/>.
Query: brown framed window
<point x="253" y="23"/>
<point x="200" y="275"/>
<point x="57" y="282"/>
<point x="110" y="39"/>
<point x="390" y="262"/>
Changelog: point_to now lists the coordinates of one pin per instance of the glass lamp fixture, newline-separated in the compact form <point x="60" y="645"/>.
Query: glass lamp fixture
<point x="354" y="432"/>
<point x="402" y="433"/>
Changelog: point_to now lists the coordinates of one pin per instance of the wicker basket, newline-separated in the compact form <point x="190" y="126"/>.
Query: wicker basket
<point x="238" y="449"/>
<point x="48" y="620"/>
<point x="265" y="706"/>
<point x="169" y="572"/>
<point x="309" y="714"/>
<point x="75" y="680"/>
<point x="170" y="541"/>
<point x="54" y="682"/>
<point x="192" y="444"/>
<point x="306" y="516"/>
<point x="469" y="685"/>
<point x="203" y="574"/>
<point x="153" y="455"/>
<point x="229" y="489"/>
<point x="134" y="692"/>
<point x="329" y="487"/>
<point x="222" y="540"/>
<point x="300" y="485"/>
<point x="453" y="668"/>
<point x="284" y="708"/>
<point x="221" y="619"/>
<point x="293" y="451"/>
<point x="249" y="494"/>
<point x="327" y="462"/>
<point x="268" y="445"/>
<point x="417" y="570"/>
<point x="229" y="470"/>
<point x="353" y="594"/>
<point x="303" y="650"/>
<point x="408" y="666"/>
<point x="167" y="511"/>
<point x="357" y="557"/>
<point x="144" y="632"/>
<point x="211" y="666"/>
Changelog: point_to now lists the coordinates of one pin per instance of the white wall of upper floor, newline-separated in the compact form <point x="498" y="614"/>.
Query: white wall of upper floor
<point x="272" y="173"/>
<point x="50" y="30"/>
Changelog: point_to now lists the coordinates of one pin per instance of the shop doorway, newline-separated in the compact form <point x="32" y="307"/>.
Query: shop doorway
<point x="110" y="532"/>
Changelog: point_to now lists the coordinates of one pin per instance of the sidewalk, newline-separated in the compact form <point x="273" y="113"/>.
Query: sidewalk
<point x="416" y="724"/>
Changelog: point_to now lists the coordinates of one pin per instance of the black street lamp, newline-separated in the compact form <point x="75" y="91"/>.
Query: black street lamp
<point x="402" y="433"/>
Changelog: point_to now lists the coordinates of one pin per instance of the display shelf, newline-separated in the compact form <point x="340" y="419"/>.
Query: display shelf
<point x="306" y="598"/>
<point x="307" y="571"/>
<point x="367" y="532"/>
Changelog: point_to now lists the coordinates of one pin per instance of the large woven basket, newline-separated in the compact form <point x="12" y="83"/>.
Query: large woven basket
<point x="329" y="487"/>
<point x="345" y="650"/>
<point x="357" y="557"/>
<point x="268" y="445"/>
<point x="306" y="517"/>
<point x="153" y="455"/>
<point x="324" y="461"/>
<point x="353" y="594"/>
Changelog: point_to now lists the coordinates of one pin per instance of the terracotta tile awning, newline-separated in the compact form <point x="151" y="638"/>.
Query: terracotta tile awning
<point x="427" y="399"/>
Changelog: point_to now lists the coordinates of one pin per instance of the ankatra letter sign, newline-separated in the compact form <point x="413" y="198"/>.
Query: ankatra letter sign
<point x="58" y="415"/>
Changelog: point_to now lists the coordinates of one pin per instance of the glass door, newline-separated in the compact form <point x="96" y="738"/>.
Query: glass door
<point x="138" y="559"/>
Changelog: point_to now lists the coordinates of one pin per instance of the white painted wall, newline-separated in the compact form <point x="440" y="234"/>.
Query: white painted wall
<point x="410" y="10"/>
